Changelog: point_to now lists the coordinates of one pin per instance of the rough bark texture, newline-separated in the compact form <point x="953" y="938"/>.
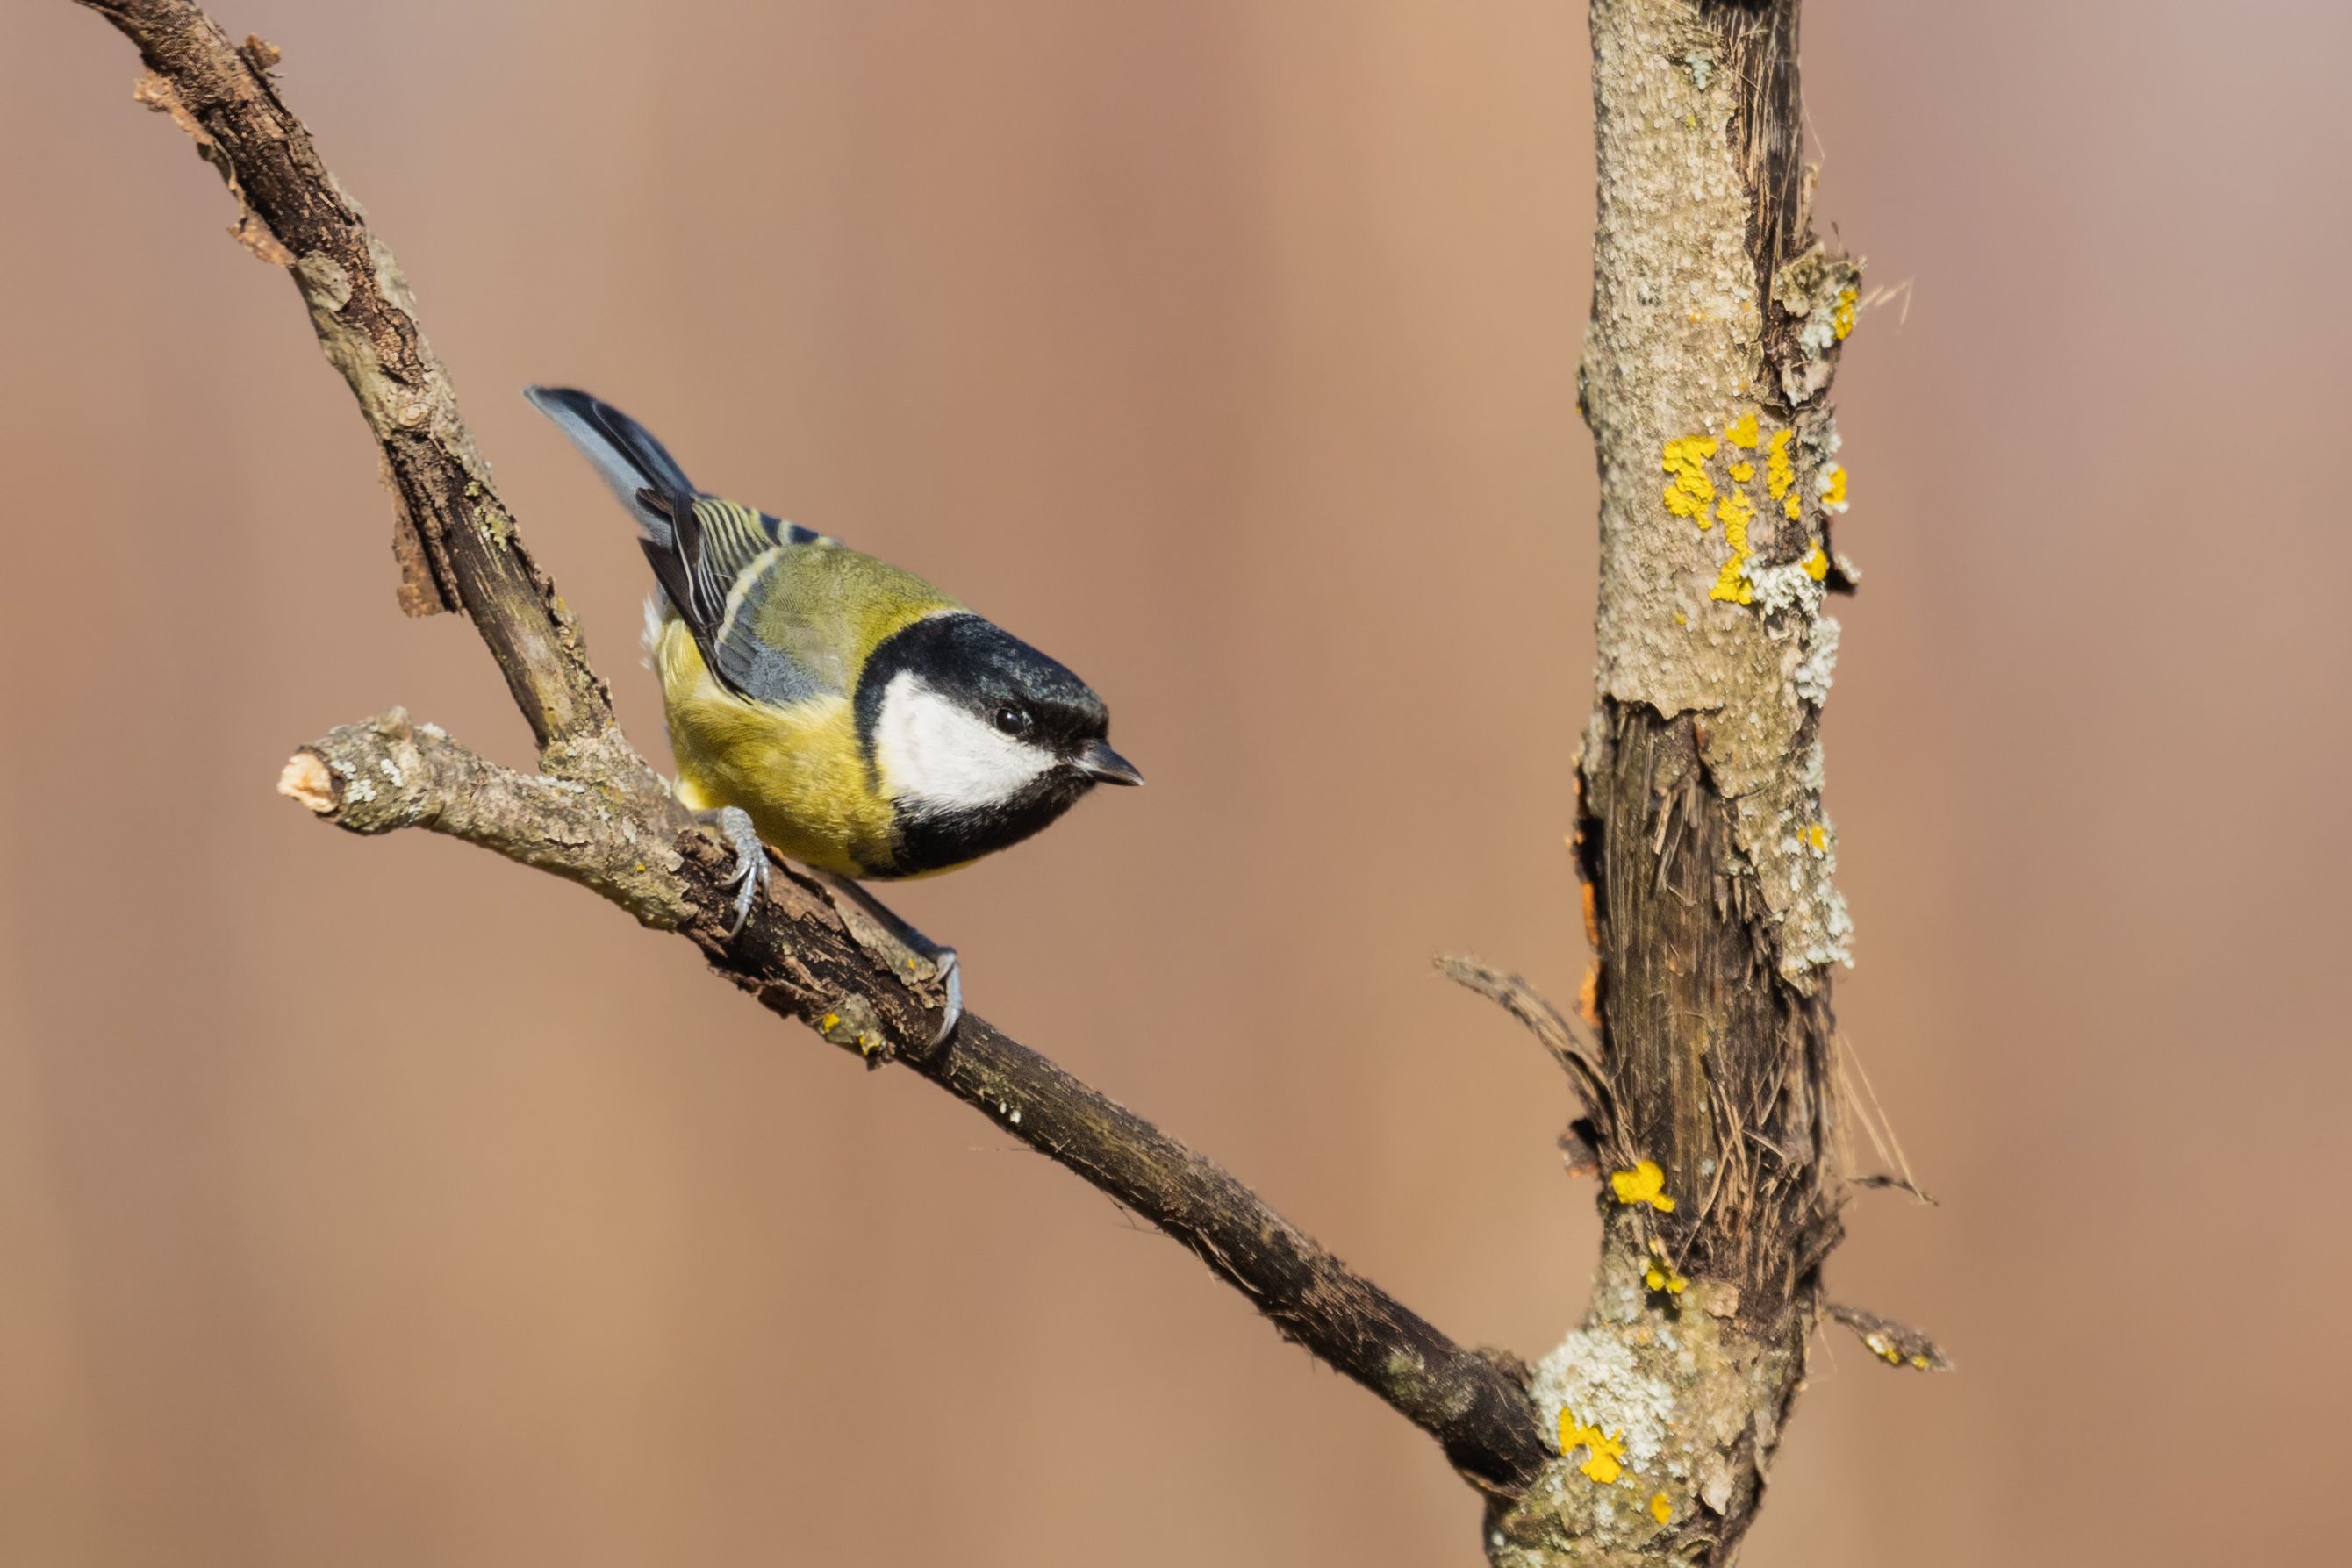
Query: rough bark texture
<point x="1717" y="317"/>
<point x="1707" y="1082"/>
<point x="813" y="957"/>
<point x="599" y="816"/>
<point x="452" y="537"/>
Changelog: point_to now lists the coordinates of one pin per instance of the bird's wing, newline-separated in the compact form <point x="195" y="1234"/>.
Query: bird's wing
<point x="727" y="565"/>
<point x="783" y="614"/>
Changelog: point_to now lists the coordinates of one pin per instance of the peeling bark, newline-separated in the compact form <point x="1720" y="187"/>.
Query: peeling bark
<point x="453" y="539"/>
<point x="1716" y="322"/>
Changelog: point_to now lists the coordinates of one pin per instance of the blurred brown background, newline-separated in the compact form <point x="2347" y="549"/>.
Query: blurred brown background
<point x="380" y="1203"/>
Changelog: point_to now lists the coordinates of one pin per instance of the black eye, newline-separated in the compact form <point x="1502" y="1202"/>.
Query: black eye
<point x="1012" y="720"/>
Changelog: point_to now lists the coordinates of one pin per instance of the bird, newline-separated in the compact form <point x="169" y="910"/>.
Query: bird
<point x="834" y="705"/>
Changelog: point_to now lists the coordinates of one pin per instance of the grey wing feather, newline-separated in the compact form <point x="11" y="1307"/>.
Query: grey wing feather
<point x="758" y="669"/>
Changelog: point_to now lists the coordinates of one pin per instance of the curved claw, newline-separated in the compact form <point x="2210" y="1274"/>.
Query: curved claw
<point x="944" y="962"/>
<point x="950" y="970"/>
<point x="734" y="824"/>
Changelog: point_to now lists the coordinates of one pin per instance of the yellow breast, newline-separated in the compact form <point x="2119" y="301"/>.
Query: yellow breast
<point x="798" y="769"/>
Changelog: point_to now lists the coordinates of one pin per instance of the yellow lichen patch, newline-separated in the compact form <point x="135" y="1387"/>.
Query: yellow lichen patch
<point x="1590" y="902"/>
<point x="1659" y="1272"/>
<point x="1685" y="459"/>
<point x="1833" y="489"/>
<point x="1887" y="1351"/>
<point x="1841" y="315"/>
<point x="832" y="1021"/>
<point x="1662" y="1508"/>
<point x="1743" y="472"/>
<point x="1818" y="837"/>
<point x="1780" y="474"/>
<point x="1587" y="996"/>
<point x="1741" y="433"/>
<point x="1817" y="565"/>
<point x="1645" y="1183"/>
<point x="1605" y="1448"/>
<point x="1733" y="586"/>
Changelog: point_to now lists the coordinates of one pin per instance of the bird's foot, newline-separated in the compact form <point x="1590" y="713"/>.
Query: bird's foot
<point x="750" y="876"/>
<point x="950" y="969"/>
<point x="944" y="963"/>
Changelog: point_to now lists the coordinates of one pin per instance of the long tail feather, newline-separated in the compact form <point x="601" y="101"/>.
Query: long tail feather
<point x="626" y="454"/>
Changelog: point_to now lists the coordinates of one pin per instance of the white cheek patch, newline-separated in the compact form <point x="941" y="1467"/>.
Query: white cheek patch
<point x="941" y="757"/>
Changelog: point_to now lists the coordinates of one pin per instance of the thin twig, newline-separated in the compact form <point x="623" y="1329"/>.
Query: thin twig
<point x="1893" y="1343"/>
<point x="1552" y="1030"/>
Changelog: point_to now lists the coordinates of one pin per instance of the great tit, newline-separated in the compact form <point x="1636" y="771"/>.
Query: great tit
<point x="827" y="703"/>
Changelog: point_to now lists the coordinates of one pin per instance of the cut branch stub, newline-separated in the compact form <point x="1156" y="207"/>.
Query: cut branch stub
<point x="386" y="774"/>
<point x="804" y="955"/>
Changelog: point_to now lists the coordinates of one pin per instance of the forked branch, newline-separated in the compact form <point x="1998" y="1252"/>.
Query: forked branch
<point x="599" y="816"/>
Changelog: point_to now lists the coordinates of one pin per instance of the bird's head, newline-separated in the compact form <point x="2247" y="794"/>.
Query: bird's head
<point x="966" y="723"/>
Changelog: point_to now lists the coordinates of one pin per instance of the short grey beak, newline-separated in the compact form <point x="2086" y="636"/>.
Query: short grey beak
<point x="1104" y="765"/>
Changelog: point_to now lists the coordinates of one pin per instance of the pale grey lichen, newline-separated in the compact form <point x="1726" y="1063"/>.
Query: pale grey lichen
<point x="1821" y="290"/>
<point x="1675" y="354"/>
<point x="1594" y="1373"/>
<point x="1834" y="943"/>
<point x="1813" y="769"/>
<point x="1674" y="1387"/>
<point x="1812" y="677"/>
<point x="1786" y="587"/>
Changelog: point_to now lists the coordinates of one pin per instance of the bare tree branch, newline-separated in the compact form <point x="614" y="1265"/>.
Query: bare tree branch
<point x="388" y="773"/>
<point x="1709" y="1081"/>
<point x="599" y="815"/>
<point x="453" y="538"/>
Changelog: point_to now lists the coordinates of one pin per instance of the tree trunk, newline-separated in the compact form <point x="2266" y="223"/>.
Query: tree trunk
<point x="1716" y="319"/>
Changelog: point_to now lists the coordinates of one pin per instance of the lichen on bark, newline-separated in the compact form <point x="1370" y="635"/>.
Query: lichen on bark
<point x="1677" y="348"/>
<point x="1717" y="322"/>
<point x="1693" y="1401"/>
